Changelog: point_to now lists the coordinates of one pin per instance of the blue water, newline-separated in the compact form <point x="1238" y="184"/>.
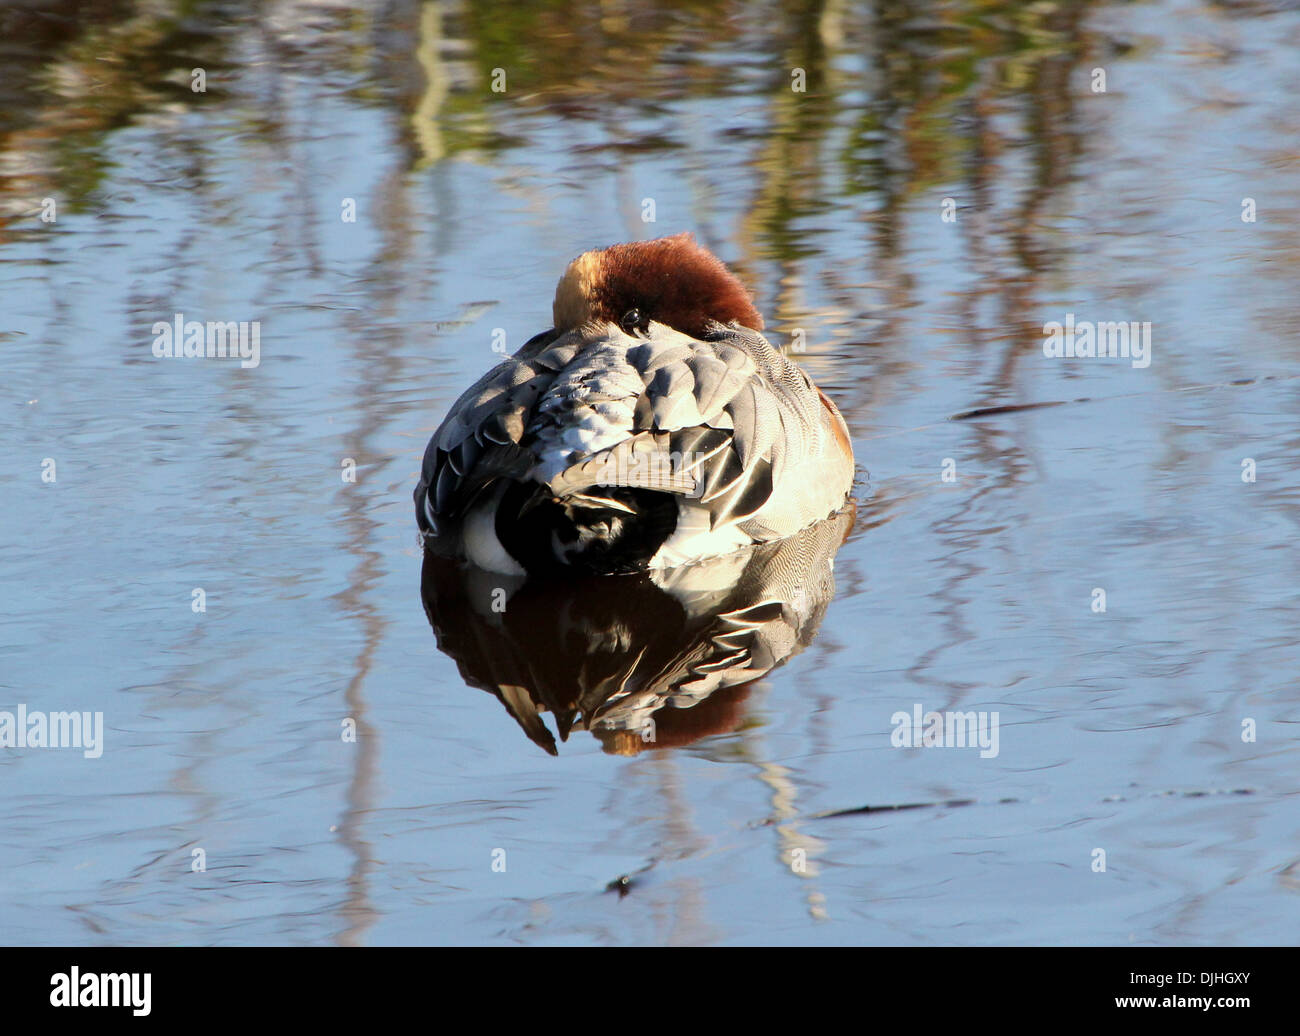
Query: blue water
<point x="1120" y="731"/>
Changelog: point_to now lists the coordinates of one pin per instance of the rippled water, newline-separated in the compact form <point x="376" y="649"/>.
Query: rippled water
<point x="1161" y="731"/>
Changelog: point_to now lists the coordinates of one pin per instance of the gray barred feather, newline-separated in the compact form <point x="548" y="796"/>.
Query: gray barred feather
<point x="727" y="423"/>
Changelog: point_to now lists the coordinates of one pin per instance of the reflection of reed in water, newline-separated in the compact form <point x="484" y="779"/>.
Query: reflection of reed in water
<point x="651" y="660"/>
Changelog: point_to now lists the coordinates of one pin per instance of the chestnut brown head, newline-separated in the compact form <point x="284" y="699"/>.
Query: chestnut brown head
<point x="671" y="280"/>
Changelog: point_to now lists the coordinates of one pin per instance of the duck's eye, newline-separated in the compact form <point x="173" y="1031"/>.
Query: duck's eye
<point x="633" y="321"/>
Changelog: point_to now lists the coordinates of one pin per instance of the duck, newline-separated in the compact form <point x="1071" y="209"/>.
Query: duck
<point x="651" y="427"/>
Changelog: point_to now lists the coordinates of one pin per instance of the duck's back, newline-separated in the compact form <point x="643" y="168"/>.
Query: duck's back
<point x="614" y="452"/>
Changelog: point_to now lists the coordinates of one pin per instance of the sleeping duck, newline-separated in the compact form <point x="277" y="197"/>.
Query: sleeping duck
<point x="651" y="427"/>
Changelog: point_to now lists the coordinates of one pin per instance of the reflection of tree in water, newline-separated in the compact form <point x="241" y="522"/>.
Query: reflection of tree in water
<point x="893" y="92"/>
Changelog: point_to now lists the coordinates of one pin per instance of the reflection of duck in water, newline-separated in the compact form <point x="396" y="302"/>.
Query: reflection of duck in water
<point x="646" y="660"/>
<point x="652" y="426"/>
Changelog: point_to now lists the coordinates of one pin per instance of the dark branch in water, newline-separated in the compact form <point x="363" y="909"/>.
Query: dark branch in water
<point x="1011" y="408"/>
<point x="1195" y="793"/>
<point x="859" y="810"/>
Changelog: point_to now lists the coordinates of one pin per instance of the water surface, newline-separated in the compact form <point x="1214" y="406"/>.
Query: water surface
<point x="1120" y="730"/>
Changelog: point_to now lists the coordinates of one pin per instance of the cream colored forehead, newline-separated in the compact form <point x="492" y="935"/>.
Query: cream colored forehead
<point x="574" y="293"/>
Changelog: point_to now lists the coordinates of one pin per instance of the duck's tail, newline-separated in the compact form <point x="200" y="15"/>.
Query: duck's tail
<point x="606" y="529"/>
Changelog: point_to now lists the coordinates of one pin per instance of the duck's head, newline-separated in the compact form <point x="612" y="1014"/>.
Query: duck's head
<point x="671" y="280"/>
